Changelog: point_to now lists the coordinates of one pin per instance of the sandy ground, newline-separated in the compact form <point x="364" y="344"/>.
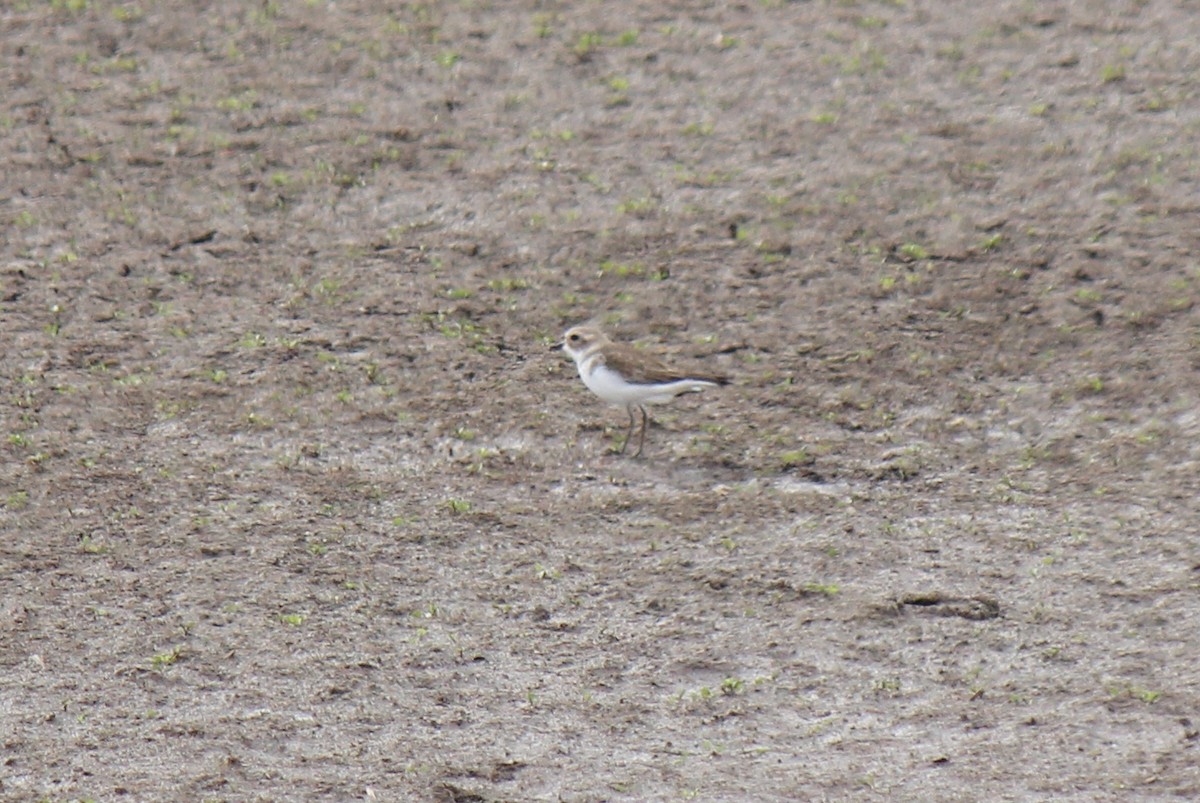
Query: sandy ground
<point x="296" y="502"/>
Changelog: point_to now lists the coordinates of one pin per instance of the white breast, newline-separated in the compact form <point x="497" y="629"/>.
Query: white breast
<point x="612" y="387"/>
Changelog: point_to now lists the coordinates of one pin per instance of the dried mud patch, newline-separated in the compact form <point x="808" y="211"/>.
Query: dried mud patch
<point x="295" y="495"/>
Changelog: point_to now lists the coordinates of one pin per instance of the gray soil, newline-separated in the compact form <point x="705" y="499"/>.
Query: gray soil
<point x="297" y="503"/>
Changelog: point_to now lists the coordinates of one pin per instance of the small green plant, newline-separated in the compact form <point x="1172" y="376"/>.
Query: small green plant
<point x="239" y="103"/>
<point x="1145" y="695"/>
<point x="990" y="243"/>
<point x="868" y="22"/>
<point x="913" y="251"/>
<point x="458" y="506"/>
<point x="127" y="13"/>
<point x="507" y="285"/>
<point x="622" y="269"/>
<point x="587" y="43"/>
<point x="636" y="206"/>
<point x="92" y="547"/>
<point x="55" y="326"/>
<point x="1136" y="692"/>
<point x="542" y="25"/>
<point x="430" y="611"/>
<point x="116" y="64"/>
<point x="887" y="685"/>
<point x="168" y="658"/>
<point x="794" y="458"/>
<point x="733" y="686"/>
<point x="292" y="619"/>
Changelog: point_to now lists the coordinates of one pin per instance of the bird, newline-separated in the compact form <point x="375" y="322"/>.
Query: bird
<point x="622" y="375"/>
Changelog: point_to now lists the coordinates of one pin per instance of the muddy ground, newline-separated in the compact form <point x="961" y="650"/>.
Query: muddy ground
<point x="297" y="503"/>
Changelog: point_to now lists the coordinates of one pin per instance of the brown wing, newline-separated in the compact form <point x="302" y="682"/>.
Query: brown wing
<point x="641" y="368"/>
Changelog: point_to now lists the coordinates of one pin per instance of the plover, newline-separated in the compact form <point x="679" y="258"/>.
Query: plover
<point x="623" y="375"/>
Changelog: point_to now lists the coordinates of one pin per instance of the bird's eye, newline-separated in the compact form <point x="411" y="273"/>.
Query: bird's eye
<point x="574" y="338"/>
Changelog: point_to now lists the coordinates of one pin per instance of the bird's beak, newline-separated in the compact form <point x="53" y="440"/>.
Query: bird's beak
<point x="556" y="346"/>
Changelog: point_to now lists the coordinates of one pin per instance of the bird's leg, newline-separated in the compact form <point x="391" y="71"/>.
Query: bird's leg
<point x="629" y="433"/>
<point x="642" y="439"/>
